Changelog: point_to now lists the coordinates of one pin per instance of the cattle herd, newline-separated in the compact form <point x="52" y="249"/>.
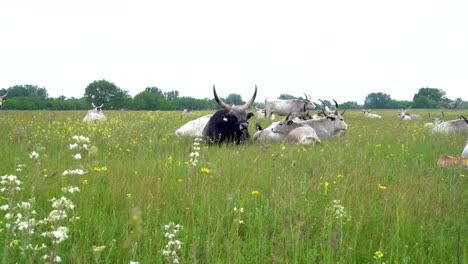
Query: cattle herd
<point x="230" y="124"/>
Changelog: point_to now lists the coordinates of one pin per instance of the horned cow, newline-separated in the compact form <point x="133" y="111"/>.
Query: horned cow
<point x="405" y="115"/>
<point x="284" y="107"/>
<point x="229" y="125"/>
<point x="95" y="114"/>
<point x="451" y="126"/>
<point x="368" y="114"/>
<point x="3" y="99"/>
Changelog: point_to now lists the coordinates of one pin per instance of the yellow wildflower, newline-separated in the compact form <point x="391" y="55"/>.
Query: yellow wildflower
<point x="382" y="187"/>
<point x="378" y="254"/>
<point x="340" y="176"/>
<point x="129" y="195"/>
<point x="205" y="170"/>
<point x="97" y="169"/>
<point x="255" y="192"/>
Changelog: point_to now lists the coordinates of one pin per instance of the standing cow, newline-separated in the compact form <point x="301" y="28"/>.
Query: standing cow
<point x="229" y="125"/>
<point x="3" y="99"/>
<point x="285" y="107"/>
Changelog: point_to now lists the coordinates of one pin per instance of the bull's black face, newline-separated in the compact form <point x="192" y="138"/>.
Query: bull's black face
<point x="228" y="127"/>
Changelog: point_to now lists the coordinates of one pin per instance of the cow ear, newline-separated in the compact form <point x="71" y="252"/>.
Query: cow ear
<point x="290" y="122"/>
<point x="332" y="118"/>
<point x="249" y="115"/>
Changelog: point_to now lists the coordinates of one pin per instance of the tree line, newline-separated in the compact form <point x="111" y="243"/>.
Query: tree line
<point x="31" y="97"/>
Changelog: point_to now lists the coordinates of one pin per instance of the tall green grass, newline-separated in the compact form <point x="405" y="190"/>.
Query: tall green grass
<point x="374" y="195"/>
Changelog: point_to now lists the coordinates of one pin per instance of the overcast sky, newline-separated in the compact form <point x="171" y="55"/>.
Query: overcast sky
<point x="340" y="50"/>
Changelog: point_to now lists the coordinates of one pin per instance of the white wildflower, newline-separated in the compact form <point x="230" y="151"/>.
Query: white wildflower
<point x="4" y="207"/>
<point x="77" y="156"/>
<point x="74" y="172"/>
<point x="74" y="145"/>
<point x="33" y="155"/>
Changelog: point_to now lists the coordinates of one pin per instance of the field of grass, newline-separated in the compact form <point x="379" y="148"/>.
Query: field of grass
<point x="374" y="195"/>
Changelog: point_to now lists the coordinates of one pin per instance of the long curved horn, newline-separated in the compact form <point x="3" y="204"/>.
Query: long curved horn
<point x="287" y="117"/>
<point x="220" y="103"/>
<point x="5" y="94"/>
<point x="101" y="105"/>
<point x="336" y="107"/>
<point x="323" y="108"/>
<point x="307" y="99"/>
<point x="250" y="102"/>
<point x="92" y="103"/>
<point x="466" y="120"/>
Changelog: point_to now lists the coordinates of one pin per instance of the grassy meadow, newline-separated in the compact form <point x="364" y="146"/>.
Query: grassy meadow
<point x="130" y="193"/>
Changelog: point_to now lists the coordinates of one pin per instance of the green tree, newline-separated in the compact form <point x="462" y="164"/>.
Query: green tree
<point x="171" y="95"/>
<point x="350" y="105"/>
<point x="27" y="91"/>
<point x="235" y="99"/>
<point x="430" y="98"/>
<point x="286" y="97"/>
<point x="105" y="92"/>
<point x="377" y="100"/>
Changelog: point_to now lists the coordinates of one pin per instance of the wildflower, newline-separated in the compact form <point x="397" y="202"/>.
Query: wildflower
<point x="129" y="195"/>
<point x="74" y="172"/>
<point x="339" y="176"/>
<point x="127" y="150"/>
<point x="179" y="180"/>
<point x="205" y="170"/>
<point x="339" y="211"/>
<point x="255" y="192"/>
<point x="77" y="156"/>
<point x="85" y="182"/>
<point x="98" y="248"/>
<point x="193" y="156"/>
<point x="169" y="159"/>
<point x="73" y="146"/>
<point x="70" y="189"/>
<point x="173" y="245"/>
<point x="97" y="169"/>
<point x="104" y="168"/>
<point x="378" y="254"/>
<point x="33" y="155"/>
<point x="378" y="145"/>
<point x="382" y="187"/>
<point x="239" y="209"/>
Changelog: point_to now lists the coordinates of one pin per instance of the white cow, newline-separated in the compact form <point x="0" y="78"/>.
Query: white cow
<point x="95" y="114"/>
<point x="405" y="115"/>
<point x="284" y="107"/>
<point x="267" y="134"/>
<point x="451" y="126"/>
<point x="193" y="128"/>
<point x="368" y="114"/>
<point x="3" y="99"/>
<point x="304" y="135"/>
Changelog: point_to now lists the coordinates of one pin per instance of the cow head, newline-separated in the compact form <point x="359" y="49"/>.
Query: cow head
<point x="3" y="99"/>
<point x="97" y="108"/>
<point x="437" y="120"/>
<point x="229" y="125"/>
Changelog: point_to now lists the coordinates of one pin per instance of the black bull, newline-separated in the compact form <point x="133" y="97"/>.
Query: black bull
<point x="229" y="125"/>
